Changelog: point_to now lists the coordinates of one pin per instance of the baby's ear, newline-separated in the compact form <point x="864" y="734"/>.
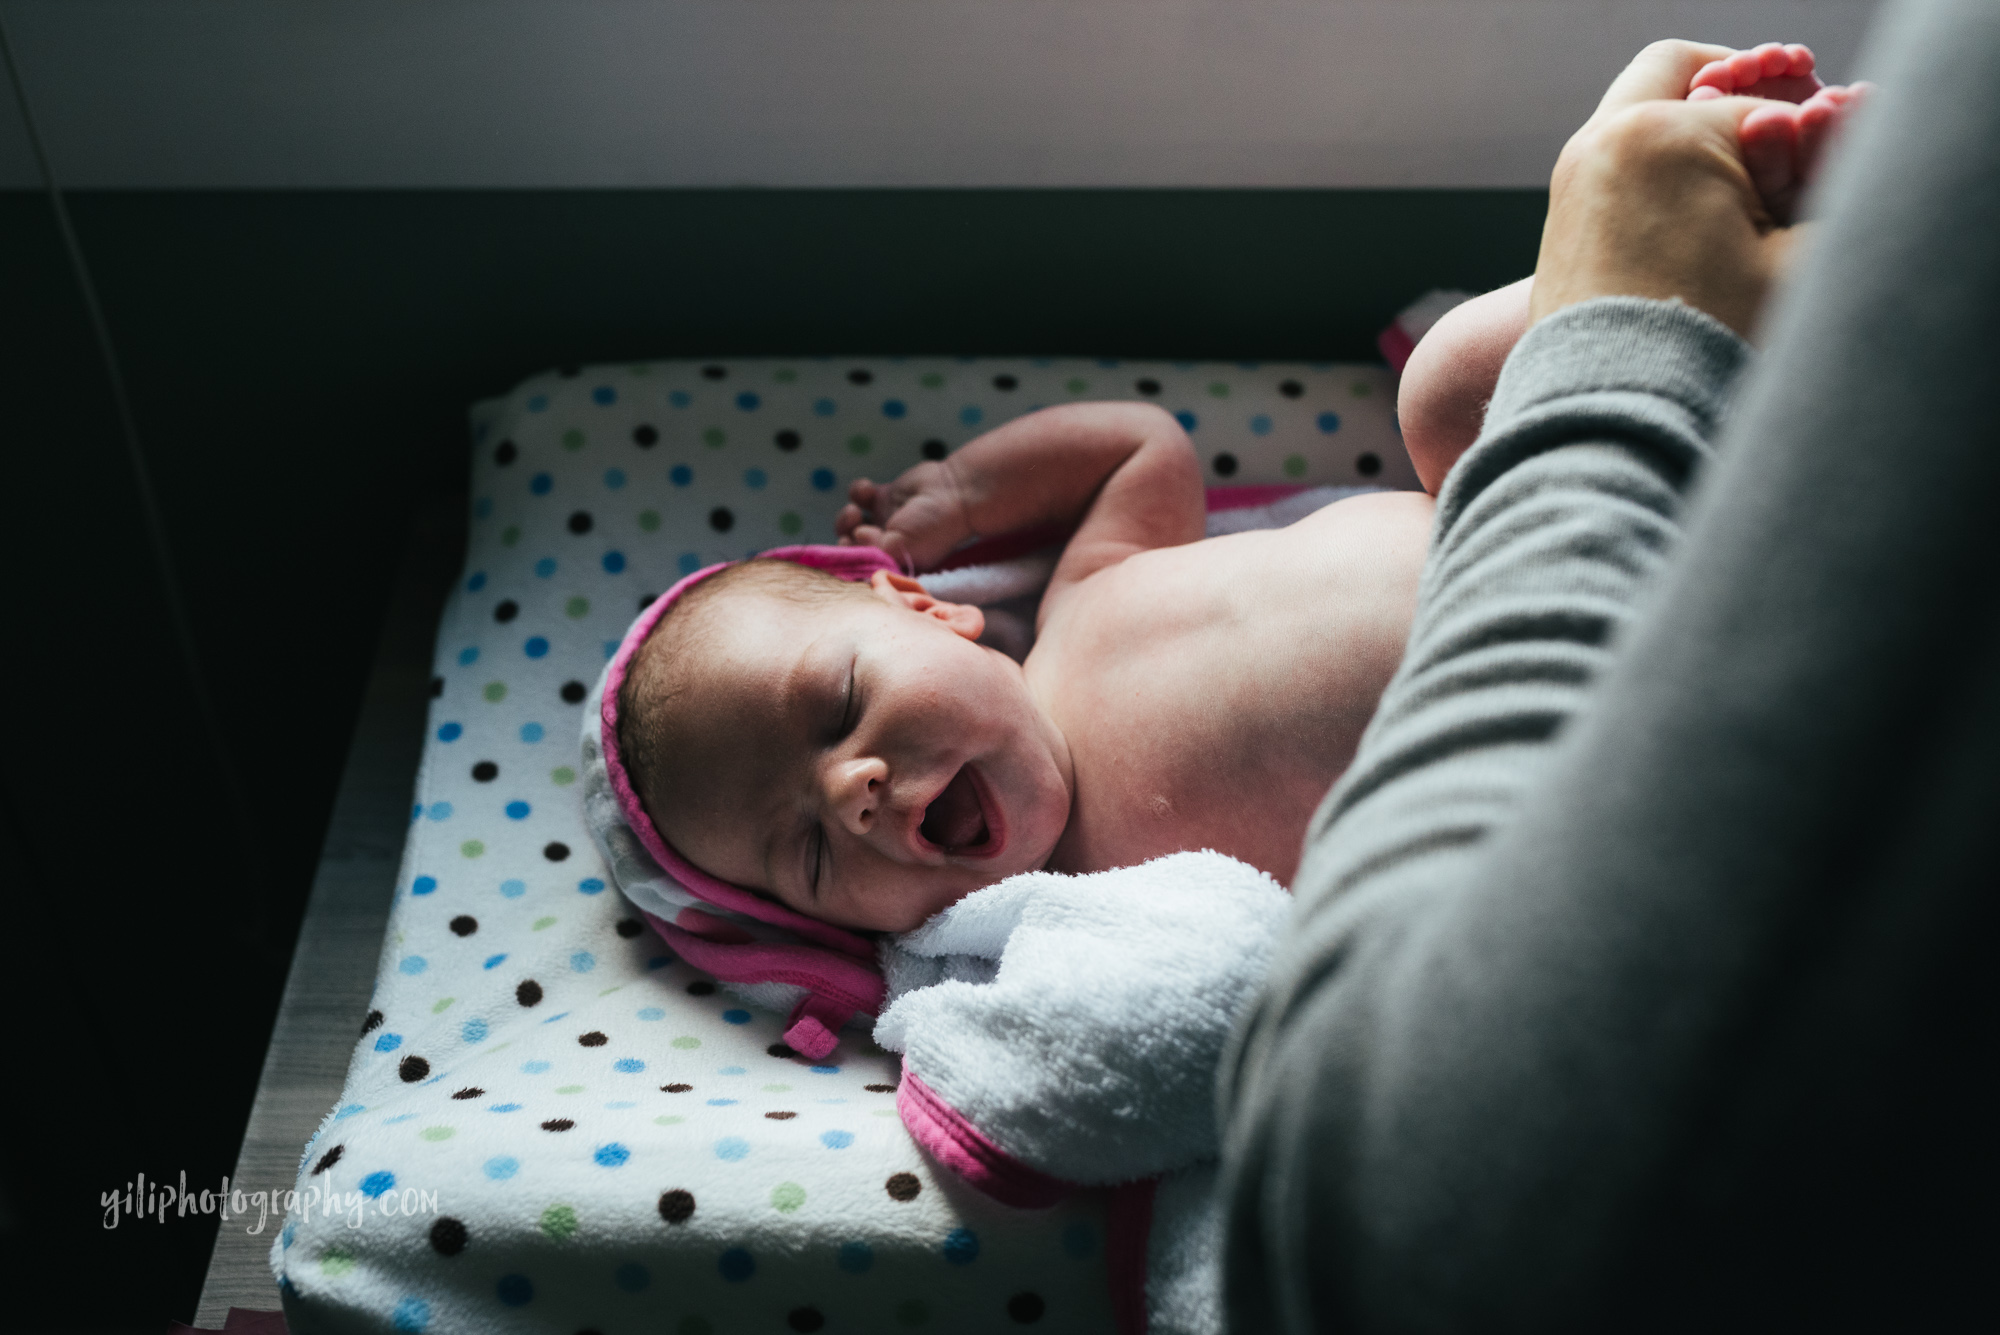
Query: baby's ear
<point x="902" y="591"/>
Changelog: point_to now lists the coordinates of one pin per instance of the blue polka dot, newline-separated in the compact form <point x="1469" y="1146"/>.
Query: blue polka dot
<point x="417" y="812"/>
<point x="535" y="1067"/>
<point x="628" y="1065"/>
<point x="518" y="810"/>
<point x="621" y="1105"/>
<point x="730" y="1070"/>
<point x="376" y="1183"/>
<point x="614" y="478"/>
<point x="515" y="1290"/>
<point x="610" y="650"/>
<point x="731" y="1149"/>
<point x="473" y="1031"/>
<point x="501" y="1167"/>
<point x="513" y="889"/>
<point x="825" y="1070"/>
<point x="754" y="478"/>
<point x="659" y="961"/>
<point x="894" y="408"/>
<point x="531" y="733"/>
<point x="970" y="414"/>
<point x="412" y="1314"/>
<point x="856" y="1257"/>
<point x="961" y="1246"/>
<point x="679" y="398"/>
<point x="583" y="961"/>
<point x="614" y="562"/>
<point x="504" y="1108"/>
<point x="1327" y="422"/>
<point x="541" y="484"/>
<point x="604" y="396"/>
<point x="1079" y="1241"/>
<point x="722" y="1103"/>
<point x="1187" y="420"/>
<point x="836" y="1140"/>
<point x="736" y="1017"/>
<point x="823" y="479"/>
<point x="747" y="401"/>
<point x="546" y="566"/>
<point x="632" y="1277"/>
<point x="680" y="475"/>
<point x="736" y="1265"/>
<point x="536" y="647"/>
<point x="349" y="1111"/>
<point x="439" y="811"/>
<point x="423" y="885"/>
<point x="590" y="885"/>
<point x="652" y="1013"/>
<point x="388" y="1042"/>
<point x="450" y="732"/>
<point x="538" y="402"/>
<point x="825" y="407"/>
<point x="476" y="583"/>
<point x="482" y="508"/>
<point x="690" y="562"/>
<point x="468" y="656"/>
<point x="613" y="1155"/>
<point x="413" y="965"/>
<point x="1260" y="425"/>
<point x="290" y="1235"/>
<point x="493" y="961"/>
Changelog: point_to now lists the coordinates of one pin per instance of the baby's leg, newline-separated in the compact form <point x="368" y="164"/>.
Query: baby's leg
<point x="1782" y="143"/>
<point x="1441" y="403"/>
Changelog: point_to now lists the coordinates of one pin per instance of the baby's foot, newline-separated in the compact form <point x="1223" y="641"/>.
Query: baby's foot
<point x="1783" y="142"/>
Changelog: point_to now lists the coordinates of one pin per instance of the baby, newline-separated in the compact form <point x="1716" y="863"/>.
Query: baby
<point x="853" y="751"/>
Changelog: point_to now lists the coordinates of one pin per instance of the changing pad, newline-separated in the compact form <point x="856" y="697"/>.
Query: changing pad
<point x="549" y="1122"/>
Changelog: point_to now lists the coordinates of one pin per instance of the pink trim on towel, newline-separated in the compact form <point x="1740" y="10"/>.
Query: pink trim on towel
<point x="1243" y="498"/>
<point x="1128" y="1229"/>
<point x="1396" y="346"/>
<point x="960" y="1146"/>
<point x="839" y="987"/>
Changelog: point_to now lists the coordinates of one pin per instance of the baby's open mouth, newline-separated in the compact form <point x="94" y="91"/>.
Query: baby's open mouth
<point x="956" y="822"/>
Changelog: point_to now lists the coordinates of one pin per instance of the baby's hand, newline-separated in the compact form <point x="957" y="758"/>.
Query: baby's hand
<point x="917" y="519"/>
<point x="1782" y="143"/>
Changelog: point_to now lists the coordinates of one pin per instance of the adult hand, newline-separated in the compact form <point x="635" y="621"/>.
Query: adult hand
<point x="1651" y="198"/>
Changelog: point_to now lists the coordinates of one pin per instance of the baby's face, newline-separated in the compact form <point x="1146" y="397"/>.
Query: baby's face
<point x="863" y="761"/>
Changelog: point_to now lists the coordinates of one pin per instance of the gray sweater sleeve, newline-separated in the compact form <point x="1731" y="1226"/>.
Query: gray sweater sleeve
<point x="1368" y="1183"/>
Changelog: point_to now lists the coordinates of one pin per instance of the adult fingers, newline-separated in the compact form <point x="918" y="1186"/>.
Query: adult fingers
<point x="1662" y="71"/>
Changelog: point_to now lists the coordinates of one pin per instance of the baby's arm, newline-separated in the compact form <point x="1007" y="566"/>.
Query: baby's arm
<point x="1441" y="402"/>
<point x="1126" y="470"/>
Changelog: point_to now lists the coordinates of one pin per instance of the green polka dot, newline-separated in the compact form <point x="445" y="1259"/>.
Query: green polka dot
<point x="668" y="1121"/>
<point x="541" y="923"/>
<point x="640" y="368"/>
<point x="784" y="375"/>
<point x="687" y="1041"/>
<point x="443" y="1002"/>
<point x="335" y="1262"/>
<point x="569" y="1089"/>
<point x="510" y="535"/>
<point x="790" y="523"/>
<point x="1295" y="465"/>
<point x="859" y="444"/>
<point x="1361" y="389"/>
<point x="777" y="1089"/>
<point x="562" y="776"/>
<point x="496" y="691"/>
<point x="715" y="438"/>
<point x="577" y="607"/>
<point x="931" y="380"/>
<point x="572" y="439"/>
<point x="787" y="1197"/>
<point x="913" y="1312"/>
<point x="559" y="1221"/>
<point x="885" y="1112"/>
<point x="472" y="848"/>
<point x="649" y="521"/>
<point x="1076" y="386"/>
<point x="694" y="1325"/>
<point x="438" y="1132"/>
<point x="1218" y="390"/>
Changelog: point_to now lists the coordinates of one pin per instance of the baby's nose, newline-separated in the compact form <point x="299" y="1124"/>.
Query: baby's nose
<point x="859" y="789"/>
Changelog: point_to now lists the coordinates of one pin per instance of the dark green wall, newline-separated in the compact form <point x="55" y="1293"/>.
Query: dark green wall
<point x="299" y="364"/>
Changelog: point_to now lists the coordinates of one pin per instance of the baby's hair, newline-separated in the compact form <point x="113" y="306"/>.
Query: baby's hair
<point x="665" y="671"/>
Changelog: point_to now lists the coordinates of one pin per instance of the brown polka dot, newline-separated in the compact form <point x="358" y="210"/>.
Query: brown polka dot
<point x="327" y="1160"/>
<point x="485" y="772"/>
<point x="1368" y="465"/>
<point x="1004" y="382"/>
<point x="700" y="987"/>
<point x="645" y="435"/>
<point x="646" y="600"/>
<point x="593" y="1039"/>
<point x="933" y="449"/>
<point x="859" y="377"/>
<point x="902" y="1186"/>
<point x="557" y="1124"/>
<point x="1224" y="464"/>
<point x="529" y="993"/>
<point x="1026" y="1308"/>
<point x="413" y="1069"/>
<point x="721" y="519"/>
<point x="580" y="522"/>
<point x="677" y="1206"/>
<point x="629" y="928"/>
<point x="573" y="692"/>
<point x="505" y="453"/>
<point x="506" y="611"/>
<point x="781" y="1116"/>
<point x="447" y="1236"/>
<point x="437" y="687"/>
<point x="372" y="1023"/>
<point x="1291" y="389"/>
<point x="464" y="925"/>
<point x="675" y="1089"/>
<point x="804" y="1319"/>
<point x="781" y="1050"/>
<point x="555" y="850"/>
<point x="469" y="1092"/>
<point x="1147" y="386"/>
<point x="880" y="1089"/>
<point x="714" y="372"/>
<point x="787" y="441"/>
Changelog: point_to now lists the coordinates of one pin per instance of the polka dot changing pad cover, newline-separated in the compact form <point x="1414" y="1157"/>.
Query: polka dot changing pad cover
<point x="549" y="1122"/>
